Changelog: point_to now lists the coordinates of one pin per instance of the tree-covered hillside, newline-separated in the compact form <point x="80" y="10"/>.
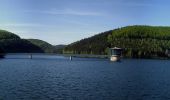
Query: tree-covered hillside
<point x="59" y="48"/>
<point x="46" y="47"/>
<point x="7" y="35"/>
<point x="137" y="41"/>
<point x="93" y="45"/>
<point x="19" y="46"/>
<point x="11" y="43"/>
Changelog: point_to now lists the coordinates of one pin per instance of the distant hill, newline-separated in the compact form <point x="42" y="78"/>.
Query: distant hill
<point x="96" y="44"/>
<point x="46" y="47"/>
<point x="12" y="43"/>
<point x="138" y="41"/>
<point x="19" y="46"/>
<point x="8" y="35"/>
<point x="59" y="48"/>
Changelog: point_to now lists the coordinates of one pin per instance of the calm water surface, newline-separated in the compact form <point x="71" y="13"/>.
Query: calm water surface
<point x="57" y="78"/>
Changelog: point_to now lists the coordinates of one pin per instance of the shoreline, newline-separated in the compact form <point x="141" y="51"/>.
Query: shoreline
<point x="82" y="56"/>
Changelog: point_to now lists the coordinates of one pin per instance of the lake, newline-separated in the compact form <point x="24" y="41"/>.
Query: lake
<point x="57" y="78"/>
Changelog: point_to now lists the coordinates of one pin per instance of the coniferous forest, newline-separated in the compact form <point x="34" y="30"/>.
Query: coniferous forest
<point x="12" y="43"/>
<point x="137" y="42"/>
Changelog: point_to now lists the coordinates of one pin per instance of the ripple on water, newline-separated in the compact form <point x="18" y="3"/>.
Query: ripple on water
<point x="84" y="79"/>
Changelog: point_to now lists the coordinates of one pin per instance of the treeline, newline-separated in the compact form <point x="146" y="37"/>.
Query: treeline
<point x="19" y="46"/>
<point x="46" y="47"/>
<point x="93" y="45"/>
<point x="12" y="43"/>
<point x="137" y="41"/>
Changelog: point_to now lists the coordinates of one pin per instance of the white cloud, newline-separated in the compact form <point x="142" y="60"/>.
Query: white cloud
<point x="67" y="12"/>
<point x="21" y="25"/>
<point x="137" y="4"/>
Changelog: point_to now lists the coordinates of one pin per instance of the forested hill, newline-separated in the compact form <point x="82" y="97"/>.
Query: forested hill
<point x="94" y="45"/>
<point x="59" y="48"/>
<point x="7" y="35"/>
<point x="46" y="47"/>
<point x="137" y="41"/>
<point x="12" y="43"/>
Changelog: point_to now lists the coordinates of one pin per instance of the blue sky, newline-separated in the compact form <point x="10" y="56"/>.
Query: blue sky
<point x="66" y="21"/>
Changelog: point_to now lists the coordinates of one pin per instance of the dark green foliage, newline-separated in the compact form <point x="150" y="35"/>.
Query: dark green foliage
<point x="46" y="47"/>
<point x="141" y="41"/>
<point x="7" y="35"/>
<point x="59" y="49"/>
<point x="93" y="45"/>
<point x="141" y="32"/>
<point x="137" y="41"/>
<point x="11" y="43"/>
<point x="19" y="46"/>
